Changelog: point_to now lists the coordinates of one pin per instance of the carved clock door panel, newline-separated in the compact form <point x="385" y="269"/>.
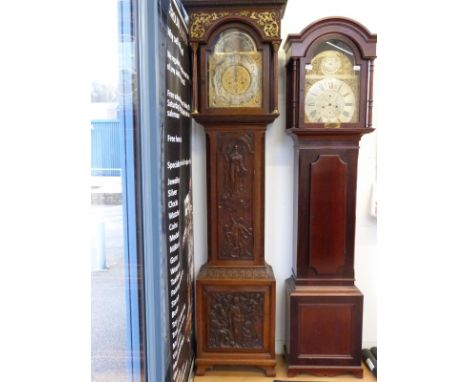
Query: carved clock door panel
<point x="235" y="192"/>
<point x="235" y="180"/>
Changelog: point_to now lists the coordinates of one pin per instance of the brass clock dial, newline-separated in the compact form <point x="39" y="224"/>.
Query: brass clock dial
<point x="330" y="101"/>
<point x="331" y="88"/>
<point x="236" y="79"/>
<point x="235" y="70"/>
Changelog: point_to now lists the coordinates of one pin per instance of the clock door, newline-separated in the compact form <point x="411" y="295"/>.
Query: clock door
<point x="234" y="71"/>
<point x="332" y="85"/>
<point x="236" y="64"/>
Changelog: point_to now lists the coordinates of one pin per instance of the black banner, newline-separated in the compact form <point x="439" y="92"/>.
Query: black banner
<point x="178" y="195"/>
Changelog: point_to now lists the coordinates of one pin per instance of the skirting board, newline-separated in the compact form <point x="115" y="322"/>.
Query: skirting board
<point x="281" y="343"/>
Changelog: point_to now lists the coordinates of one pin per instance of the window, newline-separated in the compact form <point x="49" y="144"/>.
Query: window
<point x="117" y="346"/>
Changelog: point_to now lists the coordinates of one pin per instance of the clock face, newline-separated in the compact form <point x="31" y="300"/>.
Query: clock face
<point x="235" y="79"/>
<point x="331" y="93"/>
<point x="234" y="72"/>
<point x="330" y="101"/>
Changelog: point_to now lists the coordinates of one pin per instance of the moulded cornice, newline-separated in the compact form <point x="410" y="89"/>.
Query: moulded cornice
<point x="296" y="45"/>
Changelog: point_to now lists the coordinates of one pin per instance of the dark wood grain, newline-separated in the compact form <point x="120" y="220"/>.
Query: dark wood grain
<point x="326" y="208"/>
<point x="327" y="211"/>
<point x="325" y="329"/>
<point x="324" y="308"/>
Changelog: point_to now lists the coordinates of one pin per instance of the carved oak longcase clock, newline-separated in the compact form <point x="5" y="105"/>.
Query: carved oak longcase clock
<point x="329" y="86"/>
<point x="235" y="74"/>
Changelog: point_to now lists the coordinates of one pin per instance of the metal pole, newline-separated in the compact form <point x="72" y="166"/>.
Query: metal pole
<point x="101" y="247"/>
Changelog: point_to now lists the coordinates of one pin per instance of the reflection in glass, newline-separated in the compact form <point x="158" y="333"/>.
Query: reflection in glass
<point x="115" y="354"/>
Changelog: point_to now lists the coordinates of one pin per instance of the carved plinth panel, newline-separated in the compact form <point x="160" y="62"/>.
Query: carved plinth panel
<point x="235" y="320"/>
<point x="235" y="163"/>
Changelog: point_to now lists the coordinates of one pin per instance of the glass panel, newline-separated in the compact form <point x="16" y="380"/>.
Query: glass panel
<point x="116" y="350"/>
<point x="235" y="71"/>
<point x="331" y="93"/>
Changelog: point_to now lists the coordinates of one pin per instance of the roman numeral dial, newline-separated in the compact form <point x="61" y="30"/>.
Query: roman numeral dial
<point x="330" y="100"/>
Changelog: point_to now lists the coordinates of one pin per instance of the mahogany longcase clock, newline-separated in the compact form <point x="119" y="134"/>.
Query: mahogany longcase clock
<point x="329" y="108"/>
<point x="235" y="74"/>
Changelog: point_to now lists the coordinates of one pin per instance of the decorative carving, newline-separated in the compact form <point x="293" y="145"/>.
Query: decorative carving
<point x="237" y="238"/>
<point x="263" y="273"/>
<point x="235" y="320"/>
<point x="200" y="21"/>
<point x="235" y="195"/>
<point x="268" y="22"/>
<point x="235" y="151"/>
<point x="236" y="168"/>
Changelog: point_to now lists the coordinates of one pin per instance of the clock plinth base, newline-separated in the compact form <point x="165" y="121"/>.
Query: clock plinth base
<point x="235" y="323"/>
<point x="321" y="371"/>
<point x="204" y="365"/>
<point x="324" y="329"/>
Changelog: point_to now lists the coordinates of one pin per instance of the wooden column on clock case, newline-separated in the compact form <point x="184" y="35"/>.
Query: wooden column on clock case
<point x="323" y="306"/>
<point x="236" y="288"/>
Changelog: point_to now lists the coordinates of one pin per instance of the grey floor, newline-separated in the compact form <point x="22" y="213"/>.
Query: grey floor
<point x="109" y="356"/>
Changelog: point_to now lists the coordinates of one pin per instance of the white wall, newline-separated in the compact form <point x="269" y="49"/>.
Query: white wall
<point x="279" y="179"/>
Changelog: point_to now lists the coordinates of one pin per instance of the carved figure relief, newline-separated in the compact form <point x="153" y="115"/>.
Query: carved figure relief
<point x="235" y="320"/>
<point x="238" y="238"/>
<point x="235" y="180"/>
<point x="236" y="168"/>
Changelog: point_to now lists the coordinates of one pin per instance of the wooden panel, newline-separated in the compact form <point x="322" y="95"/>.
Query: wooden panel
<point x="237" y="318"/>
<point x="235" y="193"/>
<point x="325" y="254"/>
<point x="328" y="214"/>
<point x="325" y="326"/>
<point x="325" y="330"/>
